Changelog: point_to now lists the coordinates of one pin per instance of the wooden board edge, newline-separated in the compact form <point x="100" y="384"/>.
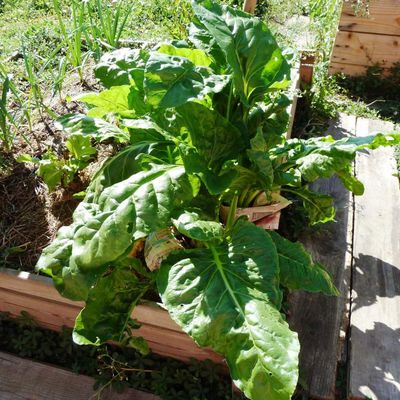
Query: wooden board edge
<point x="364" y="127"/>
<point x="164" y="335"/>
<point x="365" y="49"/>
<point x="32" y="285"/>
<point x="292" y="108"/>
<point x="306" y="70"/>
<point x="57" y="377"/>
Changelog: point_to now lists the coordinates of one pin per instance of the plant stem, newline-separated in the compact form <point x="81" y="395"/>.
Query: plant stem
<point x="243" y="196"/>
<point x="251" y="197"/>
<point x="228" y="110"/>
<point x="170" y="156"/>
<point x="232" y="212"/>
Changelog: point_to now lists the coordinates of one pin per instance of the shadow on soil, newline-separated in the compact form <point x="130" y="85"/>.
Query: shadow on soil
<point x="29" y="217"/>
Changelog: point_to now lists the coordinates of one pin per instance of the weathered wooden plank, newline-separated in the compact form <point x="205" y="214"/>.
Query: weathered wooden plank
<point x="383" y="18"/>
<point x="47" y="314"/>
<point x="29" y="289"/>
<point x="307" y="61"/>
<point x="250" y="6"/>
<point x="37" y="295"/>
<point x="375" y="7"/>
<point x="375" y="308"/>
<point x="366" y="49"/>
<point x="354" y="70"/>
<point x="27" y="380"/>
<point x="33" y="285"/>
<point x="317" y="318"/>
<point x="347" y="69"/>
<point x="367" y="40"/>
<point x="295" y="87"/>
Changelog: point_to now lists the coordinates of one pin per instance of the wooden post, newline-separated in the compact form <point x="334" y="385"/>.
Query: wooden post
<point x="249" y="6"/>
<point x="307" y="61"/>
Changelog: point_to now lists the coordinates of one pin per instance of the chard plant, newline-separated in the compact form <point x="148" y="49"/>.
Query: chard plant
<point x="204" y="125"/>
<point x="57" y="171"/>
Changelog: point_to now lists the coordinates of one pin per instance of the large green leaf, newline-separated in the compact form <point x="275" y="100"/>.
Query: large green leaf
<point x="196" y="165"/>
<point x="108" y="308"/>
<point x="202" y="39"/>
<point x="190" y="225"/>
<point x="196" y="56"/>
<point x="146" y="130"/>
<point x="80" y="124"/>
<point x="226" y="296"/>
<point x="130" y="210"/>
<point x="107" y="223"/>
<point x="121" y="166"/>
<point x="119" y="100"/>
<point x="55" y="262"/>
<point x="215" y="138"/>
<point x="121" y="67"/>
<point x="319" y="207"/>
<point x="323" y="157"/>
<point x="257" y="63"/>
<point x="272" y="118"/>
<point x="297" y="270"/>
<point x="260" y="160"/>
<point x="171" y="81"/>
<point x="350" y="181"/>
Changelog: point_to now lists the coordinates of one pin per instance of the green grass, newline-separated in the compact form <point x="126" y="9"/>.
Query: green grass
<point x="297" y="24"/>
<point x="44" y="43"/>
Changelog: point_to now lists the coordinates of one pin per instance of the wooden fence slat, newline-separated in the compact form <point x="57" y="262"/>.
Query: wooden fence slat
<point x="378" y="6"/>
<point x="366" y="49"/>
<point x="27" y="380"/>
<point x="364" y="41"/>
<point x="318" y="319"/>
<point x="353" y="70"/>
<point x="375" y="308"/>
<point x="383" y="18"/>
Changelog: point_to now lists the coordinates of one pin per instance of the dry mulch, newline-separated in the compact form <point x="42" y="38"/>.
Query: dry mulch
<point x="30" y="216"/>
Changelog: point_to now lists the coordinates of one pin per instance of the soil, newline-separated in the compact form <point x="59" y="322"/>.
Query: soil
<point x="30" y="215"/>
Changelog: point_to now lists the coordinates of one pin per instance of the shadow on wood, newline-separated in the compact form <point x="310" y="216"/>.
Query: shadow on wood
<point x="386" y="377"/>
<point x="387" y="276"/>
<point x="318" y="319"/>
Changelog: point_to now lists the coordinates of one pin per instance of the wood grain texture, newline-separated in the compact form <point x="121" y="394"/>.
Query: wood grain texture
<point x="318" y="319"/>
<point x="383" y="18"/>
<point x="353" y="70"/>
<point x="250" y="6"/>
<point x="348" y="69"/>
<point x="307" y="62"/>
<point x="384" y="7"/>
<point x="27" y="380"/>
<point x="364" y="41"/>
<point x="375" y="308"/>
<point x="366" y="49"/>
<point x="295" y="87"/>
<point x="22" y="291"/>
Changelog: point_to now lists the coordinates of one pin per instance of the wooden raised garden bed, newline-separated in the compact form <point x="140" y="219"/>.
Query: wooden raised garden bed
<point x="365" y="40"/>
<point x="35" y="294"/>
<point x="47" y="382"/>
<point x="24" y="291"/>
